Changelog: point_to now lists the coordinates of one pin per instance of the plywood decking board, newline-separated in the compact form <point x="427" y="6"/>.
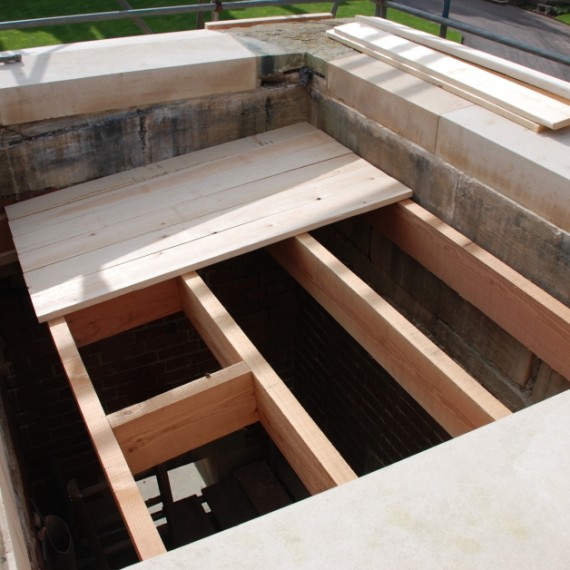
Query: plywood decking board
<point x="526" y="312"/>
<point x="451" y="73"/>
<point x="132" y="230"/>
<point x="448" y="393"/>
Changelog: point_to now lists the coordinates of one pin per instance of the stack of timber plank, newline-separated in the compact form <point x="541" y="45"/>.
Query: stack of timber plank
<point x="532" y="99"/>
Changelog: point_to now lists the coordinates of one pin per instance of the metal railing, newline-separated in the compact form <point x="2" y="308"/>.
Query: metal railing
<point x="135" y="14"/>
<point x="445" y="21"/>
<point x="216" y="6"/>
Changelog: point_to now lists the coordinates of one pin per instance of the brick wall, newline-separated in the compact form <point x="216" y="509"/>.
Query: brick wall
<point x="370" y="419"/>
<point x="125" y="369"/>
<point x="501" y="364"/>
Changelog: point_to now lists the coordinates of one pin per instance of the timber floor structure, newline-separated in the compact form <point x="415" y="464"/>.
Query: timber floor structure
<point x="120" y="251"/>
<point x="431" y="175"/>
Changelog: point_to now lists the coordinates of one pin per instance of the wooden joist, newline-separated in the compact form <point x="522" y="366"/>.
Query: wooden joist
<point x="312" y="456"/>
<point x="450" y="395"/>
<point x="186" y="417"/>
<point x="469" y="81"/>
<point x="528" y="313"/>
<point x="124" y="313"/>
<point x="489" y="61"/>
<point x="138" y="520"/>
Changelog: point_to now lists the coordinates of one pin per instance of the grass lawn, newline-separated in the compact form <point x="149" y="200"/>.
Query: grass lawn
<point x="28" y="9"/>
<point x="564" y="18"/>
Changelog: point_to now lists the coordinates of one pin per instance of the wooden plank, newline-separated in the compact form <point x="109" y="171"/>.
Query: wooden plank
<point x="312" y="456"/>
<point x="529" y="314"/>
<point x="138" y="520"/>
<point x="159" y="213"/>
<point x="248" y="22"/>
<point x="517" y="98"/>
<point x="60" y="289"/>
<point x="450" y="395"/>
<point x="124" y="313"/>
<point x="471" y="97"/>
<point x="466" y="53"/>
<point x="185" y="418"/>
<point x="148" y="173"/>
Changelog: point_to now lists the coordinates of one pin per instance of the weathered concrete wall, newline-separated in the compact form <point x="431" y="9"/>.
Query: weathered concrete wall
<point x="35" y="158"/>
<point x="47" y="155"/>
<point x="538" y="250"/>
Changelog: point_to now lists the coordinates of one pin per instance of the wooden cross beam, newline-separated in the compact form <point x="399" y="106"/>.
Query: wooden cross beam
<point x="186" y="417"/>
<point x="306" y="448"/>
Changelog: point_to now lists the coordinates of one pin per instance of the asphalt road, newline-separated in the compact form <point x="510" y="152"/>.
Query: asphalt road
<point x="527" y="27"/>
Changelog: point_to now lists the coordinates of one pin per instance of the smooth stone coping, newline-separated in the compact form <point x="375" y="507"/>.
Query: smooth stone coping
<point x="90" y="77"/>
<point x="495" y="498"/>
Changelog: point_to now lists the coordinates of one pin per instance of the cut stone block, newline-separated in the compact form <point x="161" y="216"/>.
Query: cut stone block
<point x="399" y="101"/>
<point x="523" y="165"/>
<point x="90" y="77"/>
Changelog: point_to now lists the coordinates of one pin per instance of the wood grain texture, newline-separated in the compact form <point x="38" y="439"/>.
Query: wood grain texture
<point x="450" y="395"/>
<point x="437" y="67"/>
<point x="317" y="463"/>
<point x="444" y="85"/>
<point x="248" y="22"/>
<point x="524" y="310"/>
<point x="136" y="516"/>
<point x="124" y="313"/>
<point x="186" y="417"/>
<point x="489" y="61"/>
<point x="131" y="232"/>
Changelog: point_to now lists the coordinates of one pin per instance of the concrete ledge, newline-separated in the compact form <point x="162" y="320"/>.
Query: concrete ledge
<point x="91" y="77"/>
<point x="401" y="102"/>
<point x="527" y="167"/>
<point x="495" y="498"/>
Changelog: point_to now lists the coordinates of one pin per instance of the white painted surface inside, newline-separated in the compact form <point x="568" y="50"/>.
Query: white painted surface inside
<point x="495" y="498"/>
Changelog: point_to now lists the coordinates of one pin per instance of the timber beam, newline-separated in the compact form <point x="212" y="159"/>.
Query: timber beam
<point x="446" y="391"/>
<point x="139" y="523"/>
<point x="123" y="313"/>
<point x="317" y="463"/>
<point x="186" y="417"/>
<point x="529" y="314"/>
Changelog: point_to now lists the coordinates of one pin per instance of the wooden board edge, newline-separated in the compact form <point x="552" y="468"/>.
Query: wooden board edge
<point x="138" y="521"/>
<point x="472" y="98"/>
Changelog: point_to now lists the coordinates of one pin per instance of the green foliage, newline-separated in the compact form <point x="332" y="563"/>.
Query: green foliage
<point x="52" y="35"/>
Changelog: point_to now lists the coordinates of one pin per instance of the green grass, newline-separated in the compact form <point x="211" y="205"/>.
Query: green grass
<point x="52" y="35"/>
<point x="565" y="18"/>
